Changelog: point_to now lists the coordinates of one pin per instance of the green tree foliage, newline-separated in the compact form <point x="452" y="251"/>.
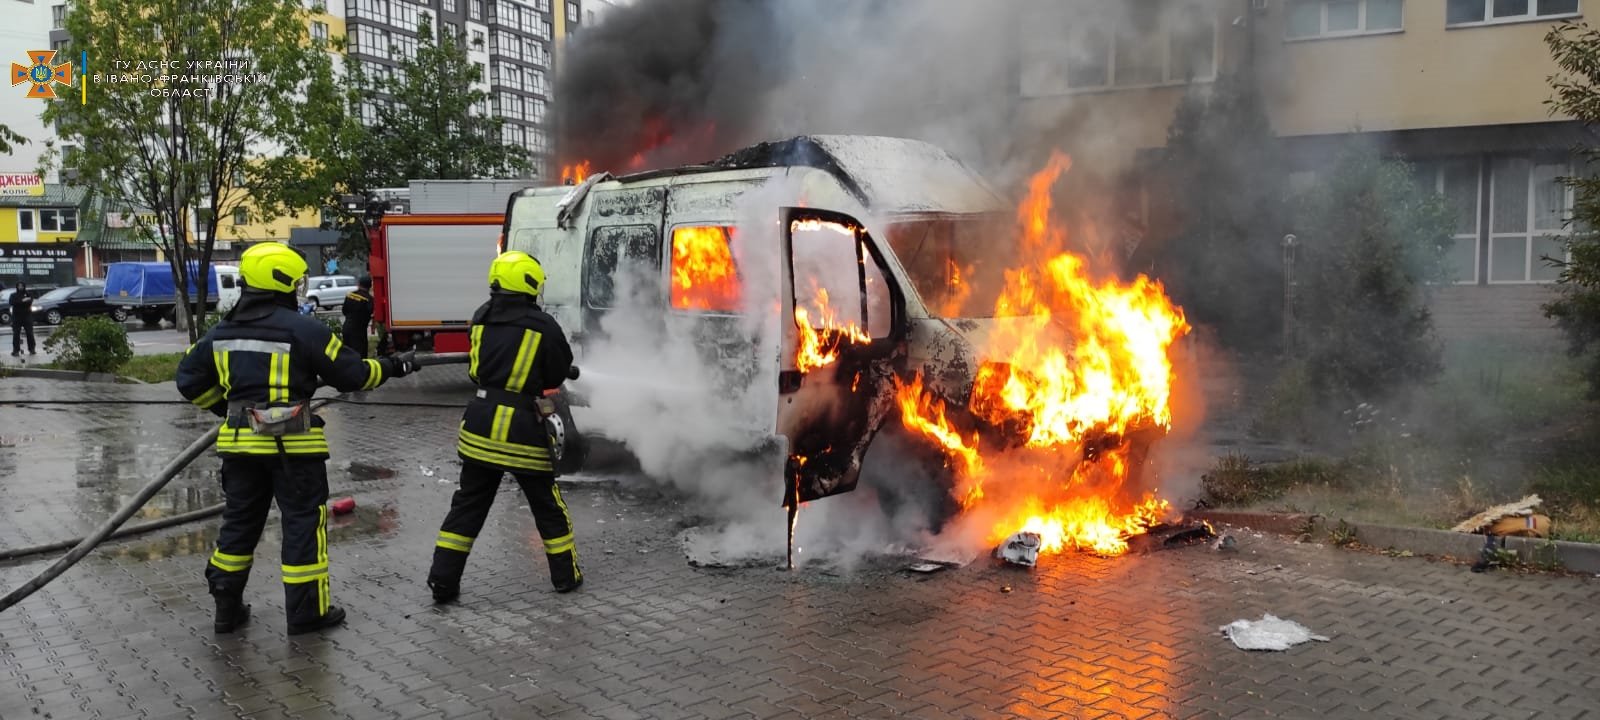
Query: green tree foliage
<point x="9" y="138"/>
<point x="1370" y="239"/>
<point x="90" y="344"/>
<point x="1576" y="49"/>
<point x="195" y="149"/>
<point x="431" y="122"/>
<point x="1222" y="182"/>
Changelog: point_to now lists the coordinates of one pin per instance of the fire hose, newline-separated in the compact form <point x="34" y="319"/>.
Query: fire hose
<point x="109" y="529"/>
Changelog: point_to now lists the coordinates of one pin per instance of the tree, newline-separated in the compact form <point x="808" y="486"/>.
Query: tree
<point x="198" y="113"/>
<point x="1576" y="49"/>
<point x="1370" y="239"/>
<point x="1223" y="182"/>
<point x="8" y="137"/>
<point x="429" y="121"/>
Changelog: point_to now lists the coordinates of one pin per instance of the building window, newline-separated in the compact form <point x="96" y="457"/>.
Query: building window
<point x="1528" y="212"/>
<point x="572" y="13"/>
<point x="58" y="16"/>
<point x="1145" y="48"/>
<point x="1469" y="12"/>
<point x="450" y="6"/>
<point x="319" y="31"/>
<point x="240" y="217"/>
<point x="53" y="221"/>
<point x="477" y="39"/>
<point x="1458" y="181"/>
<point x="475" y="9"/>
<point x="452" y="31"/>
<point x="25" y="220"/>
<point x="1331" y="18"/>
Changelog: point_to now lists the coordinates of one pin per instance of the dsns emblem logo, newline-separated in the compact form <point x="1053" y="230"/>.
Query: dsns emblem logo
<point x="42" y="74"/>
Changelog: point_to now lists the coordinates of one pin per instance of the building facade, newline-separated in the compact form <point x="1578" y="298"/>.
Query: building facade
<point x="511" y="42"/>
<point x="1458" y="88"/>
<point x="39" y="224"/>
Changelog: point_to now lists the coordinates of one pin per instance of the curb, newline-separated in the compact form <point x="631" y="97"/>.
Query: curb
<point x="62" y="375"/>
<point x="1568" y="555"/>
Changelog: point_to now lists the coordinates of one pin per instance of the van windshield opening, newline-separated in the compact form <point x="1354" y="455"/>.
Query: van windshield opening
<point x="957" y="263"/>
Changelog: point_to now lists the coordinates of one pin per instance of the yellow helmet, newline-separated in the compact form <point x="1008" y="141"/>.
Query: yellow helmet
<point x="271" y="266"/>
<point x="516" y="271"/>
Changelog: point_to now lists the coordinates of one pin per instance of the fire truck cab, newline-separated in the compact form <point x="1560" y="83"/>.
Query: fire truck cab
<point x="845" y="231"/>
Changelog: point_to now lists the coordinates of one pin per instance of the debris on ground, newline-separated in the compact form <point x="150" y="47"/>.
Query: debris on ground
<point x="926" y="567"/>
<point x="1225" y="542"/>
<point x="1020" y="549"/>
<point x="950" y="555"/>
<point x="1268" y="633"/>
<point x="426" y="471"/>
<point x="1515" y="519"/>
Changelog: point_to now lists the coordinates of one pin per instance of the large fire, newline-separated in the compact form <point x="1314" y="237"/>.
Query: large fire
<point x="823" y="334"/>
<point x="1084" y="365"/>
<point x="704" y="276"/>
<point x="575" y="174"/>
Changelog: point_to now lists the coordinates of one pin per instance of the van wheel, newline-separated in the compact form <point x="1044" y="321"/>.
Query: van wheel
<point x="151" y="317"/>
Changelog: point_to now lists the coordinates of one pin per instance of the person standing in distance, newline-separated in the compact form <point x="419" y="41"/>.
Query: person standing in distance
<point x="518" y="352"/>
<point x="21" y="319"/>
<point x="258" y="369"/>
<point x="357" y="309"/>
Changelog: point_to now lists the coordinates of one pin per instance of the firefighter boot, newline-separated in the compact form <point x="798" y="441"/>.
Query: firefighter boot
<point x="444" y="591"/>
<point x="334" y="618"/>
<point x="564" y="573"/>
<point x="232" y="614"/>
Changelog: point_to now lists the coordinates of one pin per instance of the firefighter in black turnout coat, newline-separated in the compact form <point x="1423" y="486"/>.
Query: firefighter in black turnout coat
<point x="518" y="352"/>
<point x="258" y="369"/>
<point x="357" y="311"/>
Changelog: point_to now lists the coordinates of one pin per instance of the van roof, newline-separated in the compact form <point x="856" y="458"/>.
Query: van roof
<point x="885" y="174"/>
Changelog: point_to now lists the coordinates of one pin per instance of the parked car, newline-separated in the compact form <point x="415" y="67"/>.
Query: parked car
<point x="5" y="300"/>
<point x="57" y="305"/>
<point x="328" y="291"/>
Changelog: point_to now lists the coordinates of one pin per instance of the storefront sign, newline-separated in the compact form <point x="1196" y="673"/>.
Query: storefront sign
<point x="36" y="252"/>
<point x="12" y="184"/>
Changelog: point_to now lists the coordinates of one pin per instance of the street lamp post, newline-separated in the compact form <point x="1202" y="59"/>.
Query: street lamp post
<point x="1288" y="292"/>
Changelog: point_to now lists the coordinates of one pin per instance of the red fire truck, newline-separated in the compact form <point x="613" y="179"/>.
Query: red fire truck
<point x="430" y="258"/>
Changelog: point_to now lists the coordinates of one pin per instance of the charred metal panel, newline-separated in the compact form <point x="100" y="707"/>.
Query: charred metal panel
<point x="832" y="432"/>
<point x="630" y="202"/>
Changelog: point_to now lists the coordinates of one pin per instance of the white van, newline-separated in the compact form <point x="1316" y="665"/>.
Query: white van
<point x="229" y="287"/>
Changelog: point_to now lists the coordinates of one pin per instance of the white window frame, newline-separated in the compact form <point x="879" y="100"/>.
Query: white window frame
<point x="1324" y="32"/>
<point x="1529" y="232"/>
<point x="1167" y="78"/>
<point x="1531" y="16"/>
<point x="449" y="6"/>
<point x="1476" y="236"/>
<point x="319" y="30"/>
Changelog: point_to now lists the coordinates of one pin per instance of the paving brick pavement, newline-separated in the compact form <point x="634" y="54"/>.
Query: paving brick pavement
<point x="127" y="632"/>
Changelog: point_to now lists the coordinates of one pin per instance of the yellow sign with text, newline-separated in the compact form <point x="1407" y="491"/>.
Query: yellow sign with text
<point x="15" y="184"/>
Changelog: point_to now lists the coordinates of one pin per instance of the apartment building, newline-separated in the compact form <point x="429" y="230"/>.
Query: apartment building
<point x="1456" y="87"/>
<point x="512" y="43"/>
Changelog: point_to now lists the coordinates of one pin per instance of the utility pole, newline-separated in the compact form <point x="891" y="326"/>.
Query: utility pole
<point x="1288" y="293"/>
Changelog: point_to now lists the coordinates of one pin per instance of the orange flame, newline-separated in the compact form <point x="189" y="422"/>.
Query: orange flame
<point x="1086" y="363"/>
<point x="704" y="276"/>
<point x="820" y="340"/>
<point x="575" y="174"/>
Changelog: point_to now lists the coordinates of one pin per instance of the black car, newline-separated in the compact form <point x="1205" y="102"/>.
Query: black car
<point x="54" y="306"/>
<point x="5" y="300"/>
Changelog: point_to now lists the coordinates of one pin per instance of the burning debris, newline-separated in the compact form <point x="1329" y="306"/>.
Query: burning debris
<point x="1078" y="381"/>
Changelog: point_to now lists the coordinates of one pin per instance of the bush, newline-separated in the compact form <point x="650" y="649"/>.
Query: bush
<point x="1234" y="480"/>
<point x="210" y="321"/>
<point x="1370" y="241"/>
<point x="90" y="344"/>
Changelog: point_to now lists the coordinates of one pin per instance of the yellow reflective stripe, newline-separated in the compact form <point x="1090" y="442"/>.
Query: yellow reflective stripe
<point x="524" y="362"/>
<point x="295" y="574"/>
<point x="472" y="367"/>
<point x="332" y="350"/>
<point x="560" y="544"/>
<point x="230" y="563"/>
<point x="221" y="359"/>
<point x="509" y="448"/>
<point x="277" y="377"/>
<point x="209" y="397"/>
<point x="501" y="428"/>
<point x="452" y="541"/>
<point x="323" y="592"/>
<point x="374" y="374"/>
<point x="511" y="461"/>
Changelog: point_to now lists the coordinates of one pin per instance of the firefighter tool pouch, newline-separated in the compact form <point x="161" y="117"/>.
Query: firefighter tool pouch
<point x="273" y="420"/>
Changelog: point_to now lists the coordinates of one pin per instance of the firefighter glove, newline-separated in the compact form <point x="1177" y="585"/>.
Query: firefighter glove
<point x="402" y="364"/>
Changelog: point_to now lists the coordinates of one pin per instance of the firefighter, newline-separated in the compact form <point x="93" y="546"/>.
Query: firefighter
<point x="258" y="369"/>
<point x="357" y="311"/>
<point x="518" y="352"/>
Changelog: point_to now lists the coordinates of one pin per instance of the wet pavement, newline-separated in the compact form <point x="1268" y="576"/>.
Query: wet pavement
<point x="145" y="341"/>
<point x="127" y="632"/>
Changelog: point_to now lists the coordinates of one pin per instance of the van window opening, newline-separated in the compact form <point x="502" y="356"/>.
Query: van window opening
<point x="705" y="276"/>
<point x="829" y="287"/>
<point x="956" y="264"/>
<point x="613" y="250"/>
